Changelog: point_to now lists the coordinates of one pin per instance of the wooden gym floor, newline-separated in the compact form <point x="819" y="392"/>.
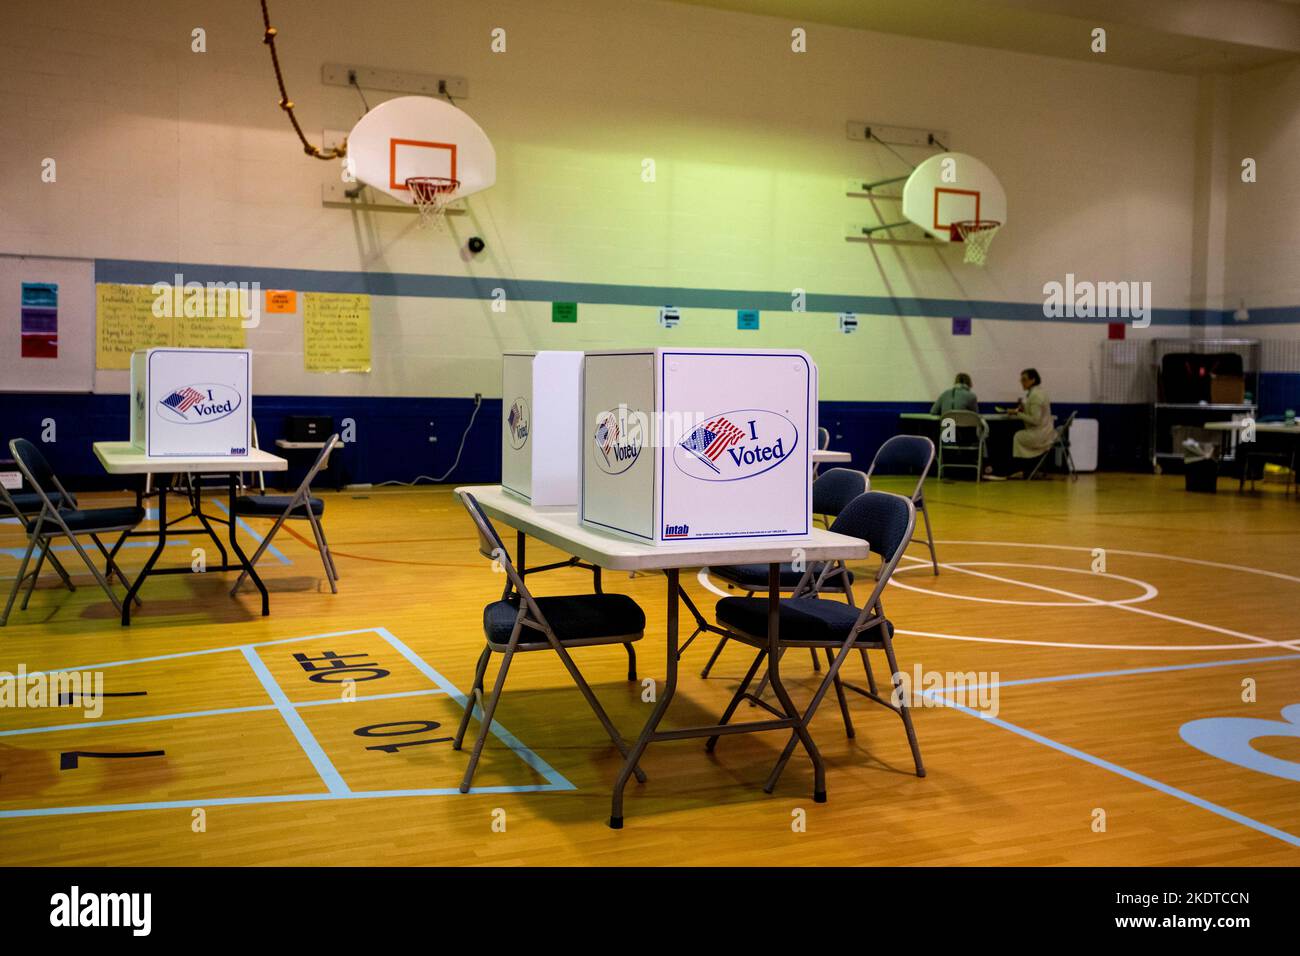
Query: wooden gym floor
<point x="1094" y="678"/>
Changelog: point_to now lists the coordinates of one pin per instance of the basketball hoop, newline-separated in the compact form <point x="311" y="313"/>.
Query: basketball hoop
<point x="978" y="235"/>
<point x="431" y="195"/>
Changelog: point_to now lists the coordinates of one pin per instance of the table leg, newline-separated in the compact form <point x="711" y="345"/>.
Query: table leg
<point x="153" y="558"/>
<point x="196" y="506"/>
<point x="665" y="698"/>
<point x="243" y="559"/>
<point x="521" y="563"/>
<point x="774" y="677"/>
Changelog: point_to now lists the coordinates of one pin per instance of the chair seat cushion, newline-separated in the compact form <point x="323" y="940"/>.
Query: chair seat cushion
<point x="29" y="503"/>
<point x="755" y="575"/>
<point x="578" y="617"/>
<point x="272" y="506"/>
<point x="99" y="518"/>
<point x="803" y="620"/>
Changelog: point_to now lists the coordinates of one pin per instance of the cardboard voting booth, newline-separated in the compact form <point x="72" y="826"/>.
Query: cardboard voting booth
<point x="191" y="402"/>
<point x="682" y="444"/>
<point x="540" y="415"/>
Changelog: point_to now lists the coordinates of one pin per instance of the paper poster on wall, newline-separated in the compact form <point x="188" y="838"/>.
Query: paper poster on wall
<point x="669" y="317"/>
<point x="961" y="325"/>
<point x="335" y="332"/>
<point x="564" y="312"/>
<point x="747" y="319"/>
<point x="281" y="301"/>
<point x="40" y="320"/>
<point x="848" y="323"/>
<point x="210" y="332"/>
<point x="125" y="321"/>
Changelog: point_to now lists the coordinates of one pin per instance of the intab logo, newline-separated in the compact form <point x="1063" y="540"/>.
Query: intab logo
<point x="197" y="404"/>
<point x="517" y="423"/>
<point x="617" y="440"/>
<point x="735" y="445"/>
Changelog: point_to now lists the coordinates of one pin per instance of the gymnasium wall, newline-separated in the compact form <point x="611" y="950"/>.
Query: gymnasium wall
<point x="170" y="160"/>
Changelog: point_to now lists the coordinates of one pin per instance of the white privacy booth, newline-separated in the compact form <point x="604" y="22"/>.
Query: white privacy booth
<point x="682" y="444"/>
<point x="187" y="402"/>
<point x="540" y="416"/>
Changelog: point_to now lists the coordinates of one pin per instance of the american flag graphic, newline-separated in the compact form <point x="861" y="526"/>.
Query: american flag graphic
<point x="183" y="399"/>
<point x="606" y="436"/>
<point x="516" y="414"/>
<point x="709" y="441"/>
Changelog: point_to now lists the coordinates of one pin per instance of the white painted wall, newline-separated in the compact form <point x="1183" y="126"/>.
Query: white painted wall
<point x="165" y="154"/>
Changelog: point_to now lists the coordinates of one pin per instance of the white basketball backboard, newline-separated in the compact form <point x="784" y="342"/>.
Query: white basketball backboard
<point x="420" y="136"/>
<point x="949" y="188"/>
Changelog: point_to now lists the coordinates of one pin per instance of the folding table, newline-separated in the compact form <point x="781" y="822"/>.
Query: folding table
<point x="123" y="458"/>
<point x="563" y="530"/>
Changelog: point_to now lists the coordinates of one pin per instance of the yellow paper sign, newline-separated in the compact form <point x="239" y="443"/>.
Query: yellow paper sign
<point x="335" y="332"/>
<point x="125" y="321"/>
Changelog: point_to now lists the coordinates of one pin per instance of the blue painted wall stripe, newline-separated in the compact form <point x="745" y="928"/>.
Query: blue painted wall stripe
<point x="537" y="290"/>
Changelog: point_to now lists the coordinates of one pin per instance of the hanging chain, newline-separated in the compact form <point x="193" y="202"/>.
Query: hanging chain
<point x="287" y="104"/>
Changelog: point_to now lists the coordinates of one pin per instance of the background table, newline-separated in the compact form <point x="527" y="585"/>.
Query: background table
<point x="1261" y="428"/>
<point x="563" y="530"/>
<point x="123" y="458"/>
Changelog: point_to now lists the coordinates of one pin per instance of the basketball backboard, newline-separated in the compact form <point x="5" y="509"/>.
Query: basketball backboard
<point x="420" y="136"/>
<point x="949" y="188"/>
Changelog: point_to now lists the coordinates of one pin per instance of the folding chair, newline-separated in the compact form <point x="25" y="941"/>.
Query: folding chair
<point x="519" y="623"/>
<point x="967" y="422"/>
<point x="886" y="521"/>
<point x="301" y="504"/>
<point x="1061" y="444"/>
<point x="65" y="519"/>
<point x="823" y="438"/>
<point x="832" y="492"/>
<point x="25" y="507"/>
<point x="910" y="453"/>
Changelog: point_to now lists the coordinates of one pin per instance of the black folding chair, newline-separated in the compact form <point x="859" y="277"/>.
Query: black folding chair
<point x="886" y="521"/>
<point x="909" y="454"/>
<point x="831" y="493"/>
<point x="1061" y="446"/>
<point x="25" y="506"/>
<point x="519" y="623"/>
<point x="59" y="516"/>
<point x="301" y="504"/>
<point x="970" y="437"/>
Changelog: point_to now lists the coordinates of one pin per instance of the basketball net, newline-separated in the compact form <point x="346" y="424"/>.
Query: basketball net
<point x="977" y="235"/>
<point x="430" y="195"/>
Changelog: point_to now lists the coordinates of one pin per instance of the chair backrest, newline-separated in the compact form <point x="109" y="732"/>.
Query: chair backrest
<point x="304" y="489"/>
<point x="964" y="418"/>
<point x="883" y="519"/>
<point x="1063" y="431"/>
<point x="904" y="454"/>
<point x="835" y="488"/>
<point x="823" y="438"/>
<point x="492" y="547"/>
<point x="36" y="470"/>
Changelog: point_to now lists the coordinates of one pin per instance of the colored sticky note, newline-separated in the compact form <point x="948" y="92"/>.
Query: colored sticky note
<point x="281" y="301"/>
<point x="1115" y="330"/>
<point x="747" y="319"/>
<point x="961" y="325"/>
<point x="564" y="312"/>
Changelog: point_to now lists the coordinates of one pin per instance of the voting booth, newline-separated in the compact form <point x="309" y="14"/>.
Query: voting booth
<point x="682" y="444"/>
<point x="539" y="427"/>
<point x="191" y="402"/>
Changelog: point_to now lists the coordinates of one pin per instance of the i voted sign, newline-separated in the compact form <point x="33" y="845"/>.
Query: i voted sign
<point x="517" y="422"/>
<point x="735" y="445"/>
<point x="199" y="404"/>
<point x="617" y="441"/>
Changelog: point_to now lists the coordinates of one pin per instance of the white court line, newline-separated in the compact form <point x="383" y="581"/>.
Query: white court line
<point x="1133" y="609"/>
<point x="1148" y="591"/>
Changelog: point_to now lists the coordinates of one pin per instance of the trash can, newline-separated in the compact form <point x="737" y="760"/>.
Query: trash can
<point x="1200" y="467"/>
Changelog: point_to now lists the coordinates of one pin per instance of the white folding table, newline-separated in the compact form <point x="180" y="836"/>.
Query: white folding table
<point x="123" y="458"/>
<point x="1263" y="428"/>
<point x="563" y="530"/>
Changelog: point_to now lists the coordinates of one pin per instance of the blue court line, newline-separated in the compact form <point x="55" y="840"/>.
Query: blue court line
<point x="251" y="708"/>
<point x="1124" y="673"/>
<point x="241" y="523"/>
<point x="311" y="747"/>
<point x="1133" y="775"/>
<point x="269" y="798"/>
<point x="179" y="654"/>
<point x="526" y="754"/>
<point x="17" y="553"/>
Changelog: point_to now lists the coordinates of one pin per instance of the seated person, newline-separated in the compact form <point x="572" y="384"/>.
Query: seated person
<point x="1038" y="435"/>
<point x="959" y="397"/>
